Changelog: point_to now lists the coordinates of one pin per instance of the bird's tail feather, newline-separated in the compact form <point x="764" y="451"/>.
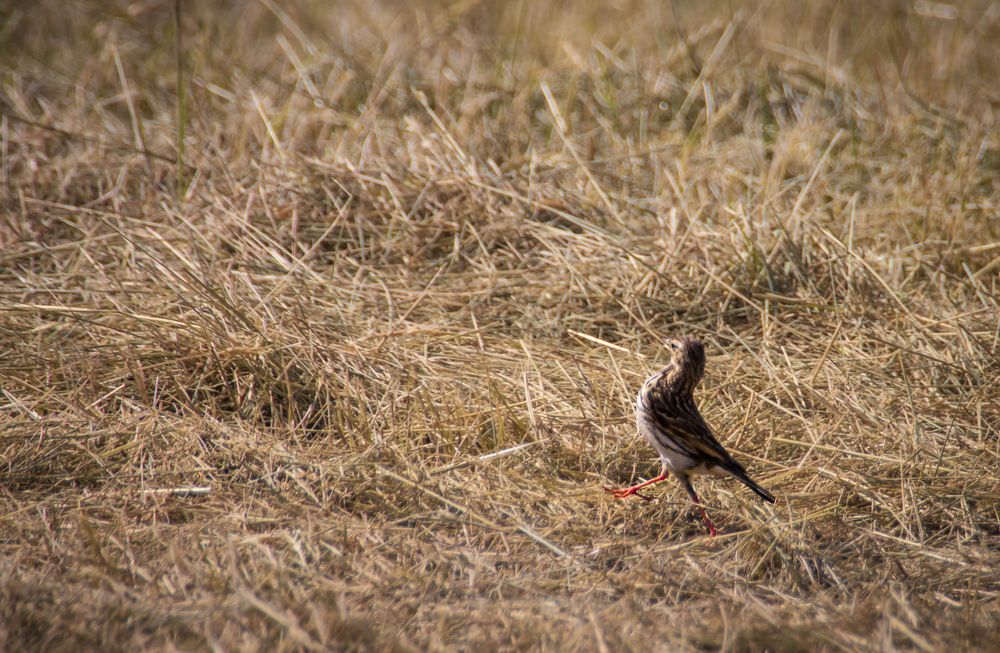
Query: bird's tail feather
<point x="761" y="492"/>
<point x="739" y="473"/>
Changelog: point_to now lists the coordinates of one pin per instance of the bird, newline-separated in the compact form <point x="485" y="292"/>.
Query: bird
<point x="667" y="415"/>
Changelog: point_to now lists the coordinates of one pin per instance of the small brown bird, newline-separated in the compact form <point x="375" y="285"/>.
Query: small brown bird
<point x="666" y="414"/>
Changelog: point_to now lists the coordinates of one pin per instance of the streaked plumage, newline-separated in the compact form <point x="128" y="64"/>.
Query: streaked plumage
<point x="666" y="414"/>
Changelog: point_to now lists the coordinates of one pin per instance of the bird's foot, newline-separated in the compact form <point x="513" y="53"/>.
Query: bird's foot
<point x="634" y="490"/>
<point x="624" y="493"/>
<point x="708" y="522"/>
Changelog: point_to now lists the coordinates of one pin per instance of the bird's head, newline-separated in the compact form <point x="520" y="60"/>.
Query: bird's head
<point x="688" y="356"/>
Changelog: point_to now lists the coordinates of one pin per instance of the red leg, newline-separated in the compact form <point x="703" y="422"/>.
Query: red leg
<point x="686" y="482"/>
<point x="629" y="491"/>
<point x="704" y="517"/>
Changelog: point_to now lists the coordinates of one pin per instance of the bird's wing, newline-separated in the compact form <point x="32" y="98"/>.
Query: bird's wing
<point x="690" y="432"/>
<point x="701" y="438"/>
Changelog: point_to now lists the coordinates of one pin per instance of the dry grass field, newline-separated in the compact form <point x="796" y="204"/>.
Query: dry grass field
<point x="325" y="334"/>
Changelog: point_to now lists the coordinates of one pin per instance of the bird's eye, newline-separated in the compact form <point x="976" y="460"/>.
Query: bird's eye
<point x="673" y="345"/>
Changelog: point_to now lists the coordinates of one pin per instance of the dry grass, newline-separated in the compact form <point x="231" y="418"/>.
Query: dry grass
<point x="360" y="385"/>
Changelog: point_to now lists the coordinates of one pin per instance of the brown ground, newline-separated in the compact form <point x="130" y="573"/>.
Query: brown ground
<point x="360" y="384"/>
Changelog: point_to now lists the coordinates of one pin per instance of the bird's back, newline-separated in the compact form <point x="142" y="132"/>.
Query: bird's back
<point x="667" y="415"/>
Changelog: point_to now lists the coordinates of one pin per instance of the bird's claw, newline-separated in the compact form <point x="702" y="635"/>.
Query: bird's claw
<point x="627" y="492"/>
<point x="708" y="522"/>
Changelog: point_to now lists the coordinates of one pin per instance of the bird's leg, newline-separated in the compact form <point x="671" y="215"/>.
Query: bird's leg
<point x="694" y="498"/>
<point x="629" y="491"/>
<point x="704" y="517"/>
